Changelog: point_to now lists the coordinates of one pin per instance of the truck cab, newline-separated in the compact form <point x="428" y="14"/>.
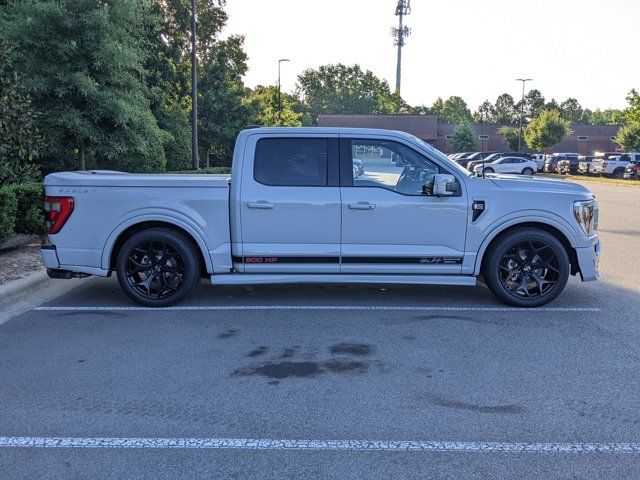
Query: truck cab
<point x="323" y="205"/>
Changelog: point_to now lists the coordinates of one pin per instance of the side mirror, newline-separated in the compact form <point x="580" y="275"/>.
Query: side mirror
<point x="445" y="185"/>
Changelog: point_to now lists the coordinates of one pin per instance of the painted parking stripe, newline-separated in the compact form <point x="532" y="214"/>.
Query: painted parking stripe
<point x="331" y="445"/>
<point x="310" y="307"/>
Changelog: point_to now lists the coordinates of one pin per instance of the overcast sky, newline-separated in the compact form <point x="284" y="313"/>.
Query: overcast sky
<point x="587" y="49"/>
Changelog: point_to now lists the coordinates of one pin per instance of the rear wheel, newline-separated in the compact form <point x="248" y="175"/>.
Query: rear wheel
<point x="527" y="171"/>
<point x="158" y="267"/>
<point x="526" y="267"/>
<point x="618" y="173"/>
<point x="489" y="170"/>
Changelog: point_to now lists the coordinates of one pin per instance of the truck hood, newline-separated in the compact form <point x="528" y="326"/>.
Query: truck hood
<point x="523" y="182"/>
<point x="107" y="178"/>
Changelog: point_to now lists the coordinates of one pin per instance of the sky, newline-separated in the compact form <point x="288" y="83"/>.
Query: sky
<point x="586" y="49"/>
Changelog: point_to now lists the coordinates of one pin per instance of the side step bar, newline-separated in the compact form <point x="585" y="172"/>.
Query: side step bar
<point x="274" y="278"/>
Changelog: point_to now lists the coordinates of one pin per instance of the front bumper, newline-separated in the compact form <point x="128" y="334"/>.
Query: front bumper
<point x="588" y="261"/>
<point x="631" y="175"/>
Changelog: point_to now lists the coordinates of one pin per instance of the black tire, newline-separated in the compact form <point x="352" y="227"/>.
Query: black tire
<point x="489" y="170"/>
<point x="509" y="267"/>
<point x="527" y="171"/>
<point x="618" y="173"/>
<point x="158" y="267"/>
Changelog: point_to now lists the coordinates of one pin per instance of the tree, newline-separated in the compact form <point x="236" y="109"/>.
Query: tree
<point x="571" y="110"/>
<point x="511" y="136"/>
<point x="533" y="103"/>
<point x="83" y="63"/>
<point x="546" y="130"/>
<point x="266" y="106"/>
<point x="437" y="108"/>
<point x="552" y="105"/>
<point x="485" y="113"/>
<point x="342" y="89"/>
<point x="505" y="108"/>
<point x="20" y="139"/>
<point x="464" y="138"/>
<point x="455" y="110"/>
<point x="629" y="136"/>
<point x="632" y="112"/>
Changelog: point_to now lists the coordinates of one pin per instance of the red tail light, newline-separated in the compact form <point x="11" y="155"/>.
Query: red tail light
<point x="58" y="210"/>
<point x="638" y="168"/>
<point x="604" y="164"/>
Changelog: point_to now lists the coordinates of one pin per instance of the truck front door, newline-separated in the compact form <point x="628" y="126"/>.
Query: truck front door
<point x="289" y="205"/>
<point x="389" y="223"/>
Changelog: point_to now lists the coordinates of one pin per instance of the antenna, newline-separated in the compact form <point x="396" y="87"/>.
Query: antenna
<point x="399" y="34"/>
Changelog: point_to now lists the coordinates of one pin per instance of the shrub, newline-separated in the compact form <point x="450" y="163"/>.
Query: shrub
<point x="30" y="201"/>
<point x="8" y="210"/>
<point x="210" y="170"/>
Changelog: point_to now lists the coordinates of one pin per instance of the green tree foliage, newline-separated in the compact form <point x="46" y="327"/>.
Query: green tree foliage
<point x="571" y="110"/>
<point x="629" y="136"/>
<point x="632" y="112"/>
<point x="83" y="63"/>
<point x="486" y="113"/>
<point x="505" y="108"/>
<point x="546" y="130"/>
<point x="342" y="89"/>
<point x="511" y="136"/>
<point x="265" y="100"/>
<point x="533" y="103"/>
<point x="20" y="139"/>
<point x="464" y="138"/>
<point x="455" y="110"/>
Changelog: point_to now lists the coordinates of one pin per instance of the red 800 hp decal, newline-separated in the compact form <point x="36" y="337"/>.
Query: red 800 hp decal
<point x="261" y="259"/>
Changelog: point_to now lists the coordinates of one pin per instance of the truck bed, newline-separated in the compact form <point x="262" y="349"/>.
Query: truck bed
<point x="106" y="178"/>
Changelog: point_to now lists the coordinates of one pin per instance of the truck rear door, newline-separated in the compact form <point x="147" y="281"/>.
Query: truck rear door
<point x="289" y="205"/>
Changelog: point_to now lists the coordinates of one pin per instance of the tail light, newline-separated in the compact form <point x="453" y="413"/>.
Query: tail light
<point x="638" y="168"/>
<point x="58" y="210"/>
<point x="604" y="164"/>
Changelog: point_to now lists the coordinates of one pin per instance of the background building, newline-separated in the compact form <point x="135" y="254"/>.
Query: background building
<point x="585" y="139"/>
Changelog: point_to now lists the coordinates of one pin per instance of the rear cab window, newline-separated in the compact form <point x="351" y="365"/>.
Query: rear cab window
<point x="292" y="162"/>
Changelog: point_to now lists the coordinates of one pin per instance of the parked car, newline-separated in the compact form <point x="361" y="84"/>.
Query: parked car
<point x="475" y="156"/>
<point x="612" y="165"/>
<point x="286" y="215"/>
<point x="539" y="159"/>
<point x="517" y="165"/>
<point x="568" y="165"/>
<point x="495" y="156"/>
<point x="358" y="167"/>
<point x="584" y="164"/>
<point x="632" y="171"/>
<point x="551" y="162"/>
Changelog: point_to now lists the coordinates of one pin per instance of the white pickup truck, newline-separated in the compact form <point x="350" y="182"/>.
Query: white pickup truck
<point x="294" y="210"/>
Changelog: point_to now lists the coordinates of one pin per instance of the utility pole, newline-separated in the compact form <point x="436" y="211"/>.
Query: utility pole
<point x="195" y="164"/>
<point x="523" y="80"/>
<point x="399" y="34"/>
<point x="279" y="92"/>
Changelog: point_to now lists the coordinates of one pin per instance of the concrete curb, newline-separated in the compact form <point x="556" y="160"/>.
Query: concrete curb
<point x="20" y="296"/>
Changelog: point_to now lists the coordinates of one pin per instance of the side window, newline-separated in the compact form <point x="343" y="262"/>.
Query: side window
<point x="291" y="162"/>
<point x="389" y="165"/>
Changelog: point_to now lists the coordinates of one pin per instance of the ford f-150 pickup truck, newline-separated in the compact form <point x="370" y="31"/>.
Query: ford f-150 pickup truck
<point x="294" y="210"/>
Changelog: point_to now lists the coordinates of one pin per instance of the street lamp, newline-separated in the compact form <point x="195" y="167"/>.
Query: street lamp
<point x="279" y="92"/>
<point x="523" y="80"/>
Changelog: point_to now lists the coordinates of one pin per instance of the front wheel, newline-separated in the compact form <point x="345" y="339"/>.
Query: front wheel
<point x="158" y="267"/>
<point x="526" y="267"/>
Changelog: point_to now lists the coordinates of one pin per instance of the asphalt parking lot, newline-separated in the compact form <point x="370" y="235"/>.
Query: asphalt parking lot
<point x="333" y="381"/>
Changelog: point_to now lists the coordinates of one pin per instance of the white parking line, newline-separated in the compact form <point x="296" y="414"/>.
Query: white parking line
<point x="314" y="307"/>
<point x="332" y="445"/>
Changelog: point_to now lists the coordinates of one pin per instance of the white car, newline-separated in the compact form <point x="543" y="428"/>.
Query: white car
<point x="516" y="165"/>
<point x="291" y="211"/>
<point x="539" y="159"/>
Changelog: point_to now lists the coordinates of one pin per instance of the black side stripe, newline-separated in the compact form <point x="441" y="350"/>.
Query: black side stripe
<point x="352" y="260"/>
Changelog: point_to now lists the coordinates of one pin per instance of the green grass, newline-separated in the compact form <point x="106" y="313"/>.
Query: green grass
<point x="584" y="178"/>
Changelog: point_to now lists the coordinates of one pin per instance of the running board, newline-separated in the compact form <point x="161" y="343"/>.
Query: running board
<point x="271" y="278"/>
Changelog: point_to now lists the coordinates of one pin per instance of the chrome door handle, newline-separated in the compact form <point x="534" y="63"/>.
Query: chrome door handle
<point x="362" y="206"/>
<point x="261" y="204"/>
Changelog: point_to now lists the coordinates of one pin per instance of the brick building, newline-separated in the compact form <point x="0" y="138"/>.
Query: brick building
<point x="585" y="139"/>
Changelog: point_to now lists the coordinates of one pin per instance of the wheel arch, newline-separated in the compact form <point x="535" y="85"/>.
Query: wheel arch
<point x="554" y="229"/>
<point x="125" y="230"/>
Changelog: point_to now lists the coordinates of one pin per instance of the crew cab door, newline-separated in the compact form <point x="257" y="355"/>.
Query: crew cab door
<point x="388" y="224"/>
<point x="289" y="205"/>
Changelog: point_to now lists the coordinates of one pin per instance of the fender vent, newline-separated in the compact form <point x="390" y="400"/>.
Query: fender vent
<point x="478" y="209"/>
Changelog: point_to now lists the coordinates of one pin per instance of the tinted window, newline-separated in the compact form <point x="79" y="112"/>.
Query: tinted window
<point x="291" y="162"/>
<point x="389" y="165"/>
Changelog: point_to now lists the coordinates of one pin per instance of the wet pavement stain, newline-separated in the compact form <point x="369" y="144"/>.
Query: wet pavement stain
<point x="281" y="370"/>
<point x="258" y="351"/>
<point x="336" y="366"/>
<point x="229" y="333"/>
<point x="288" y="352"/>
<point x="350" y="349"/>
<point x="510" y="409"/>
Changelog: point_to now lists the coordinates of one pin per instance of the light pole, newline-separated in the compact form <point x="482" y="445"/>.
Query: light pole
<point x="279" y="92"/>
<point x="195" y="164"/>
<point x="523" y="80"/>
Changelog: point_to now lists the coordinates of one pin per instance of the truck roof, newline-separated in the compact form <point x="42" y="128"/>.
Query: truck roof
<point x="325" y="131"/>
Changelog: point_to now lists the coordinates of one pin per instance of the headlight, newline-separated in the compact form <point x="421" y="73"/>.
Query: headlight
<point x="586" y="213"/>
